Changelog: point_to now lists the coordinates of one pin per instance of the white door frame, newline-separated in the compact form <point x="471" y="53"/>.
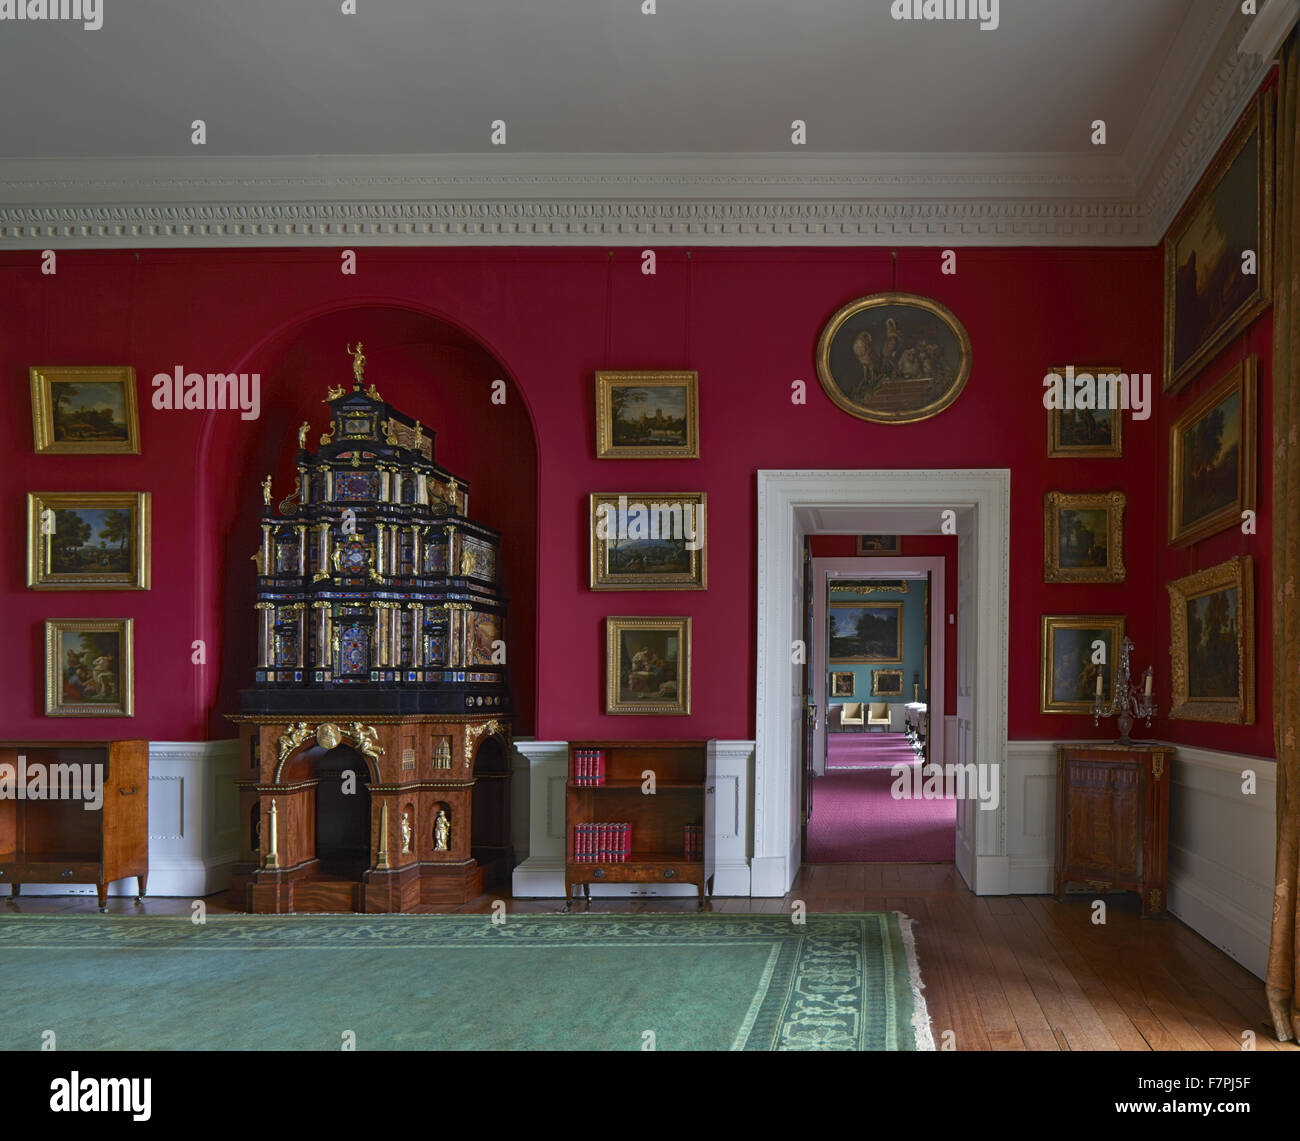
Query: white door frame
<point x="981" y="502"/>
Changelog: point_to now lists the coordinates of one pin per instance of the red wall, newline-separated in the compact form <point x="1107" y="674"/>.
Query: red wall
<point x="545" y="320"/>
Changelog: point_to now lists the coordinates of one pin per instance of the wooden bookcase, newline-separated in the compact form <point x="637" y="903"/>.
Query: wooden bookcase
<point x="658" y="822"/>
<point x="60" y="841"/>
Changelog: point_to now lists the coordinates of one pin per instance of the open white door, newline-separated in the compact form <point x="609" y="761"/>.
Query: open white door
<point x="965" y="735"/>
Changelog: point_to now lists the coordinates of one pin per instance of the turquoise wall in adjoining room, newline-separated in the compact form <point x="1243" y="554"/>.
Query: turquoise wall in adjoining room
<point x="913" y="644"/>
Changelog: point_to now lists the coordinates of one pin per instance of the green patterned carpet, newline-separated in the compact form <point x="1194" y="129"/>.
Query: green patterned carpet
<point x="450" y="982"/>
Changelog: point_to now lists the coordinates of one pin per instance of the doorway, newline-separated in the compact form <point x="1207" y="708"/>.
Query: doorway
<point x="343" y="814"/>
<point x="975" y="504"/>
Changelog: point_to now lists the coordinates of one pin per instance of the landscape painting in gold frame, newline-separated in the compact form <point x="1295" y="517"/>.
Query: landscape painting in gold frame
<point x="1083" y="536"/>
<point x="1067" y="671"/>
<point x="652" y="540"/>
<point x="1212" y="458"/>
<point x="1086" y="433"/>
<point x="1210" y="293"/>
<point x="81" y="410"/>
<point x="886" y="683"/>
<point x="647" y="415"/>
<point x="647" y="665"/>
<point x="88" y="540"/>
<point x="89" y="667"/>
<point x="1212" y="643"/>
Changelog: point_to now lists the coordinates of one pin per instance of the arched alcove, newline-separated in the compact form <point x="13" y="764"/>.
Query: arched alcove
<point x="427" y="367"/>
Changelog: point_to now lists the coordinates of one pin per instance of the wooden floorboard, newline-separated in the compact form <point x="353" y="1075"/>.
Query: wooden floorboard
<point x="1000" y="973"/>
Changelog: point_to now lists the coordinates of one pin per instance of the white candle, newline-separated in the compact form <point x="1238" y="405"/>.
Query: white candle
<point x="1099" y="683"/>
<point x="1148" y="683"/>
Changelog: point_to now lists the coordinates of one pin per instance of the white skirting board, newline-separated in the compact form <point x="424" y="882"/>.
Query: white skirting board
<point x="541" y="767"/>
<point x="193" y="823"/>
<point x="1221" y="841"/>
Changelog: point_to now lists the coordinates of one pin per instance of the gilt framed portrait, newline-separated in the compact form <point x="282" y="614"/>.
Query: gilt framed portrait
<point x="1077" y="649"/>
<point x="1212" y="643"/>
<point x="878" y="545"/>
<point x="886" y="683"/>
<point x="650" y="540"/>
<point x="1085" y="433"/>
<point x="1212" y="458"/>
<point x="865" y="632"/>
<point x="1219" y="252"/>
<point x="648" y="665"/>
<point x="647" y="415"/>
<point x="88" y="668"/>
<point x="893" y="358"/>
<point x="84" y="411"/>
<point x="1083" y="536"/>
<point x="843" y="683"/>
<point x="88" y="540"/>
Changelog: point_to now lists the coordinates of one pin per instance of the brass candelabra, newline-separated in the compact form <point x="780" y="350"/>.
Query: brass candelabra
<point x="1126" y="703"/>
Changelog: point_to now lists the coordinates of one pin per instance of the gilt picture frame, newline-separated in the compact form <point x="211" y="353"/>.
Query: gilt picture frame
<point x="88" y="540"/>
<point x="1083" y="536"/>
<point x="1085" y="433"/>
<point x="1212" y="458"/>
<point x="893" y="358"/>
<point x="1212" y="643"/>
<point x="89" y="667"/>
<point x="843" y="683"/>
<point x="651" y="540"/>
<point x="886" y="683"/>
<point x="864" y="632"/>
<point x="647" y="415"/>
<point x="1210" y="296"/>
<point x="84" y="410"/>
<point x="1067" y="672"/>
<point x="878" y="544"/>
<point x="648" y="665"/>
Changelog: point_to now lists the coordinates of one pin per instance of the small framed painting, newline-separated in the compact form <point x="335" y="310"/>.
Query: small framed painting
<point x="649" y="540"/>
<point x="88" y="668"/>
<point x="1212" y="635"/>
<point x="85" y="411"/>
<point x="878" y="545"/>
<point x="1212" y="458"/>
<point x="886" y="683"/>
<point x="1083" y="537"/>
<point x="88" y="540"/>
<point x="842" y="683"/>
<point x="865" y="632"/>
<point x="1078" y="652"/>
<point x="647" y="415"/>
<point x="1086" y="433"/>
<point x="1211" y="293"/>
<point x="647" y="665"/>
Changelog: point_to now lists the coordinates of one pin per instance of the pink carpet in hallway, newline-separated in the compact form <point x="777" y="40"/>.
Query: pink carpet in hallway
<point x="867" y="750"/>
<point x="855" y="819"/>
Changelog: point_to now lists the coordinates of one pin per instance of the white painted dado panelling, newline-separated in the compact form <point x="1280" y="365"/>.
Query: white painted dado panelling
<point x="542" y="768"/>
<point x="1221" y="841"/>
<point x="193" y="823"/>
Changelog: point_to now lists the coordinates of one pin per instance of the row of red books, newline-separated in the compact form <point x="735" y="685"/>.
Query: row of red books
<point x="602" y="843"/>
<point x="695" y="841"/>
<point x="588" y="766"/>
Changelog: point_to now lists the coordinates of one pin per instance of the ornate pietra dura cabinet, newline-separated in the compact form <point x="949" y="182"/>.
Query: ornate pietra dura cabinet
<point x="374" y="740"/>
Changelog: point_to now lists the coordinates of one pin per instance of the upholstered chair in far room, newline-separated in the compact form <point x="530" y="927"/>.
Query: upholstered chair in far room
<point x="878" y="714"/>
<point x="851" y="714"/>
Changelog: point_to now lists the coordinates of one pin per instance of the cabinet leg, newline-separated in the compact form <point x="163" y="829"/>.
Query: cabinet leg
<point x="15" y="890"/>
<point x="139" y="897"/>
<point x="101" y="889"/>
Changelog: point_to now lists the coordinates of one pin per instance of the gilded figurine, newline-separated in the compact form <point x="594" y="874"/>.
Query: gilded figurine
<point x="333" y="392"/>
<point x="372" y="391"/>
<point x="294" y="736"/>
<point x="367" y="738"/>
<point x="328" y="437"/>
<point x="266" y="491"/>
<point x="419" y="437"/>
<point x="453" y="495"/>
<point x="303" y="429"/>
<point x="390" y="433"/>
<point x="358" y="364"/>
<point x="441" y="832"/>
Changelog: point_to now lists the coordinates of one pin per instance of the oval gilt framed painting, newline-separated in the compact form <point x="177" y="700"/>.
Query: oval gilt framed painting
<point x="893" y="358"/>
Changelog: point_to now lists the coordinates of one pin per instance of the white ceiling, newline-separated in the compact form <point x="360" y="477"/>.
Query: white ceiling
<point x="321" y="117"/>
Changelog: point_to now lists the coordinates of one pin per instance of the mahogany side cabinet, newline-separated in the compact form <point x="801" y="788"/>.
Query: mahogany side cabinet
<point x="1112" y="819"/>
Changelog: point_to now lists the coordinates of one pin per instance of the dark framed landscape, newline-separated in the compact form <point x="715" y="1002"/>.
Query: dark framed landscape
<point x="648" y="541"/>
<point x="865" y="632"/>
<point x="1083" y="536"/>
<point x="1212" y="643"/>
<point x="1068" y="672"/>
<point x="1085" y="433"/>
<point x="84" y="410"/>
<point x="647" y="415"/>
